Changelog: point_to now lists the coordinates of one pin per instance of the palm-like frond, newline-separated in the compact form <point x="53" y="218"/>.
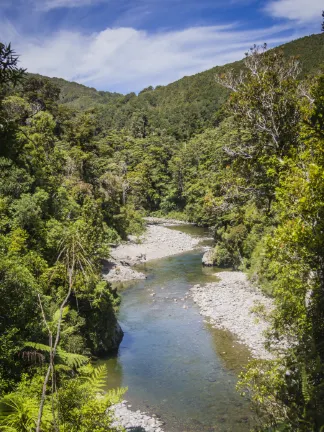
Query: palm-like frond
<point x="96" y="378"/>
<point x="69" y="359"/>
<point x="38" y="346"/>
<point x="72" y="360"/>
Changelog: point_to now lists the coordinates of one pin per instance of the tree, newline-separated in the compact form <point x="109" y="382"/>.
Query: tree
<point x="54" y="233"/>
<point x="264" y="104"/>
<point x="288" y="391"/>
<point x="41" y="93"/>
<point x="73" y="256"/>
<point x="9" y="70"/>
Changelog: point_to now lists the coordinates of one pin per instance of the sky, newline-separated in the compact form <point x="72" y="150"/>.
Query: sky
<point x="127" y="45"/>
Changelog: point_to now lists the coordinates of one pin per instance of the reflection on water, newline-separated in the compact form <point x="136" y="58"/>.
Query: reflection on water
<point x="175" y="364"/>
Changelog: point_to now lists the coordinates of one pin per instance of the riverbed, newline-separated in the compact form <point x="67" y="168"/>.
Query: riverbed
<point x="173" y="362"/>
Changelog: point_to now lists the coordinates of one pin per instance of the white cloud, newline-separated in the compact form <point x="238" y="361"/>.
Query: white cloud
<point x="299" y="10"/>
<point x="126" y="59"/>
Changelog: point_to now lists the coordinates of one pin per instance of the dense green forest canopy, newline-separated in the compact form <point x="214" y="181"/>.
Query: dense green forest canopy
<point x="238" y="149"/>
<point x="60" y="208"/>
<point x="182" y="108"/>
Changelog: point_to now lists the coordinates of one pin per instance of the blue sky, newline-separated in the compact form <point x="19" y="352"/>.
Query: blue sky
<point x="126" y="45"/>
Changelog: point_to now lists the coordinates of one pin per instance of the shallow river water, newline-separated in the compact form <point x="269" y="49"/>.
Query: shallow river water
<point x="173" y="362"/>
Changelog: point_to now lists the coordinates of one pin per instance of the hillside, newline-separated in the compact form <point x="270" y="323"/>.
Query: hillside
<point x="182" y="108"/>
<point x="80" y="96"/>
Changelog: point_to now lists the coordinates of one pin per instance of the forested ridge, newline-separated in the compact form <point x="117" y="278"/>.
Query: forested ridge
<point x="238" y="149"/>
<point x="179" y="109"/>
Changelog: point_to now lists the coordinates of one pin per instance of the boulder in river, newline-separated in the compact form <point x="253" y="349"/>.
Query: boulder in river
<point x="208" y="259"/>
<point x="120" y="271"/>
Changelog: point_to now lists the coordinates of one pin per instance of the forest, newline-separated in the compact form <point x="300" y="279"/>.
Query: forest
<point x="238" y="149"/>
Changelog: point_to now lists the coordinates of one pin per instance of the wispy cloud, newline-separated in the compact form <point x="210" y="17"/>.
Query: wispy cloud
<point x="47" y="5"/>
<point x="111" y="50"/>
<point x="299" y="10"/>
<point x="126" y="59"/>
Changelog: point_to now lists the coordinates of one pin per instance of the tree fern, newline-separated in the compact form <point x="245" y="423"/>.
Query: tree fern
<point x="69" y="359"/>
<point x="38" y="346"/>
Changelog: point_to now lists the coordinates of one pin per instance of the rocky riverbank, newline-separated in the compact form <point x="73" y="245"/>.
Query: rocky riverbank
<point x="228" y="304"/>
<point x="135" y="421"/>
<point x="157" y="242"/>
<point x="164" y="221"/>
<point x="120" y="271"/>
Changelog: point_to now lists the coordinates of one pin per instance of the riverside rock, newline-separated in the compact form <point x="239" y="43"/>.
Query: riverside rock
<point x="208" y="259"/>
<point x="228" y="304"/>
<point x="117" y="337"/>
<point x="117" y="271"/>
<point x="134" y="421"/>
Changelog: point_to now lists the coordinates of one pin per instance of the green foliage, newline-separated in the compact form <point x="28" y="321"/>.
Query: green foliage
<point x="83" y="405"/>
<point x="19" y="409"/>
<point x="79" y="169"/>
<point x="9" y="71"/>
<point x="18" y="413"/>
<point x="79" y="404"/>
<point x="71" y="360"/>
<point x="57" y="221"/>
<point x="180" y="109"/>
<point x="96" y="377"/>
<point x="293" y="255"/>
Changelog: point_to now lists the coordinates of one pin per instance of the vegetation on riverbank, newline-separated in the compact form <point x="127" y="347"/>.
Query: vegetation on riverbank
<point x="74" y="181"/>
<point x="60" y="208"/>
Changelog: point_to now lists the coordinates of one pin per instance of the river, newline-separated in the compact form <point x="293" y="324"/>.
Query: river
<point x="172" y="361"/>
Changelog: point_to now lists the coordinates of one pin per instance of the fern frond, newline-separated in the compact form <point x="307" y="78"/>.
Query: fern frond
<point x="62" y="368"/>
<point x="37" y="346"/>
<point x="72" y="360"/>
<point x="98" y="378"/>
<point x="69" y="359"/>
<point x="18" y="413"/>
<point x="68" y="331"/>
<point x="115" y="395"/>
<point x="56" y="315"/>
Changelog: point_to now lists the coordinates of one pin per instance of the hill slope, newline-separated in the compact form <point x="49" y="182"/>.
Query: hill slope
<point x="182" y="108"/>
<point x="80" y="96"/>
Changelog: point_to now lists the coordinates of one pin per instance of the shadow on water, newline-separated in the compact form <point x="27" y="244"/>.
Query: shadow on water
<point x="173" y="362"/>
